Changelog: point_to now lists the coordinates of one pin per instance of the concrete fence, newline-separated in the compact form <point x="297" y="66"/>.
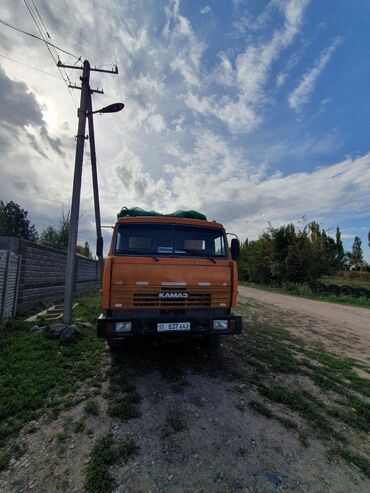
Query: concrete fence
<point x="41" y="272"/>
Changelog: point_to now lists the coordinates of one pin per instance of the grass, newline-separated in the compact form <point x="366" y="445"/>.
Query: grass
<point x="323" y="389"/>
<point x="105" y="453"/>
<point x="307" y="293"/>
<point x="352" y="457"/>
<point x="14" y="451"/>
<point x="79" y="426"/>
<point x="123" y="399"/>
<point x="91" y="407"/>
<point x="175" y="421"/>
<point x="125" y="406"/>
<point x="40" y="375"/>
<point x="349" y="279"/>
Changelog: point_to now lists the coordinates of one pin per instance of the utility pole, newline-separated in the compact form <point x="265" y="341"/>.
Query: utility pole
<point x="95" y="184"/>
<point x="82" y="113"/>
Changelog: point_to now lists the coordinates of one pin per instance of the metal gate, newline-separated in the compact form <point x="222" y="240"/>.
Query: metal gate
<point x="9" y="280"/>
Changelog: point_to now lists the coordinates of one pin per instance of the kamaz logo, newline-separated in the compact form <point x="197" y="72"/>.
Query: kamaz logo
<point x="175" y="295"/>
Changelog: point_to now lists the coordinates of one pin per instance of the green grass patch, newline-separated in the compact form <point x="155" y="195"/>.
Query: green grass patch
<point x="91" y="407"/>
<point x="37" y="373"/>
<point x="261" y="409"/>
<point x="125" y="406"/>
<point x="352" y="457"/>
<point x="105" y="453"/>
<point x="79" y="426"/>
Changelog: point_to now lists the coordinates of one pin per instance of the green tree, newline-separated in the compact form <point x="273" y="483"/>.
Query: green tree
<point x="84" y="250"/>
<point x="14" y="222"/>
<point x="340" y="249"/>
<point x="357" y="255"/>
<point x="57" y="236"/>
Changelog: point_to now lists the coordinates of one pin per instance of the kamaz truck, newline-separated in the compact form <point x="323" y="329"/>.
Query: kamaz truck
<point x="169" y="277"/>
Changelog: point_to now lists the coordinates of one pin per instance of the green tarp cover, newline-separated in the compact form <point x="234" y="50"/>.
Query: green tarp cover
<point x="136" y="211"/>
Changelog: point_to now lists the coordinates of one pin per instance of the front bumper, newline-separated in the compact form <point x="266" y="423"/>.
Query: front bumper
<point x="142" y="325"/>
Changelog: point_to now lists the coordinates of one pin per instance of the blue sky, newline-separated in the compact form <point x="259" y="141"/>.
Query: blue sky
<point x="250" y="111"/>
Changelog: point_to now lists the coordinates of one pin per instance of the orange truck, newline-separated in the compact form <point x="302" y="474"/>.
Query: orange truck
<point x="169" y="277"/>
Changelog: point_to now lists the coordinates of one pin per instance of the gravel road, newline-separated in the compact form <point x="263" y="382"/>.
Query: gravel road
<point x="329" y="321"/>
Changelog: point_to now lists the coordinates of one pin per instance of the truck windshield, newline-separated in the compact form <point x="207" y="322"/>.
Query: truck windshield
<point x="170" y="240"/>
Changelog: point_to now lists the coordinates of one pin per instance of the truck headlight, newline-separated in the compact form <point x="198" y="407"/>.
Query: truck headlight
<point x="123" y="326"/>
<point x="220" y="324"/>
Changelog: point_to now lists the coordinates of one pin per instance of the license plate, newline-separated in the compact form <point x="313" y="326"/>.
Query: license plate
<point x="168" y="327"/>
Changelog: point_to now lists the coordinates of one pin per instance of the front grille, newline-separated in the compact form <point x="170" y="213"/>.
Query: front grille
<point x="153" y="300"/>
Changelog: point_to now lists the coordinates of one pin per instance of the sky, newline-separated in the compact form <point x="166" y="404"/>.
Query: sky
<point x="254" y="112"/>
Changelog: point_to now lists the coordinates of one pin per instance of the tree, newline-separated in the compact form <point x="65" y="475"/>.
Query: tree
<point x="57" y="236"/>
<point x="14" y="222"/>
<point x="84" y="250"/>
<point x="340" y="249"/>
<point x="357" y="254"/>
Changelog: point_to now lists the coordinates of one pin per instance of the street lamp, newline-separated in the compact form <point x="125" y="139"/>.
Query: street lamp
<point x="112" y="108"/>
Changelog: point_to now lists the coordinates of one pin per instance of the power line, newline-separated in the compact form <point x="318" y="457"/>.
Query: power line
<point x="40" y="31"/>
<point x="55" y="56"/>
<point x="37" y="37"/>
<point x="33" y="68"/>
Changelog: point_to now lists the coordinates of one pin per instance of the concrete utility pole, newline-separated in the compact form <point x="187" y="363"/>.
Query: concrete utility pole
<point x="95" y="182"/>
<point x="75" y="207"/>
<point x="84" y="111"/>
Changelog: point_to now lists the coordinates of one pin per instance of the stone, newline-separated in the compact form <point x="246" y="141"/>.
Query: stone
<point x="273" y="478"/>
<point x="66" y="333"/>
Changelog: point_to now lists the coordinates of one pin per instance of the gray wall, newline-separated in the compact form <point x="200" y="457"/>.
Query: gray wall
<point x="42" y="272"/>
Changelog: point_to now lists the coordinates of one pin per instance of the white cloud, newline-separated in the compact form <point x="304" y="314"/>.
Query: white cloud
<point x="242" y="111"/>
<point x="205" y="10"/>
<point x="301" y="94"/>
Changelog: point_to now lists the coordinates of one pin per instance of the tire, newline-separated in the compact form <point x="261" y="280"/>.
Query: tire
<point x="332" y="288"/>
<point x="347" y="290"/>
<point x="318" y="288"/>
<point x="363" y="292"/>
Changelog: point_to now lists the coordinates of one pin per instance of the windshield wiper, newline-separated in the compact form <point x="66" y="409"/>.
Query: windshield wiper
<point x="140" y="252"/>
<point x="198" y="254"/>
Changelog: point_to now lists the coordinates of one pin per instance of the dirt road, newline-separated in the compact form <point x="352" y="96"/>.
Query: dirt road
<point x="343" y="329"/>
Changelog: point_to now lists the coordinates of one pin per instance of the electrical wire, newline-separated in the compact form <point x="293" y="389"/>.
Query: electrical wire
<point x="36" y="37"/>
<point x="55" y="55"/>
<point x="33" y="68"/>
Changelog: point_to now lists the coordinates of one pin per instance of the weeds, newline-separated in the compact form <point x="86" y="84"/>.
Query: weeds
<point x="79" y="426"/>
<point x="125" y="406"/>
<point x="352" y="458"/>
<point x="105" y="453"/>
<point x="174" y="421"/>
<point x="92" y="408"/>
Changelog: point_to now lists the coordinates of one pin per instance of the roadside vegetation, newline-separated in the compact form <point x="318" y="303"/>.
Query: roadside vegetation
<point x="104" y="454"/>
<point x="301" y="261"/>
<point x="40" y="376"/>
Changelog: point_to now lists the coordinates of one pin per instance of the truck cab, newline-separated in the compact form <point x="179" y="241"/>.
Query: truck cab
<point x="169" y="277"/>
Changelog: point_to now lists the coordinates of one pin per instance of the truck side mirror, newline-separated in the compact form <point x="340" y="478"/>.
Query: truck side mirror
<point x="99" y="247"/>
<point x="235" y="248"/>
